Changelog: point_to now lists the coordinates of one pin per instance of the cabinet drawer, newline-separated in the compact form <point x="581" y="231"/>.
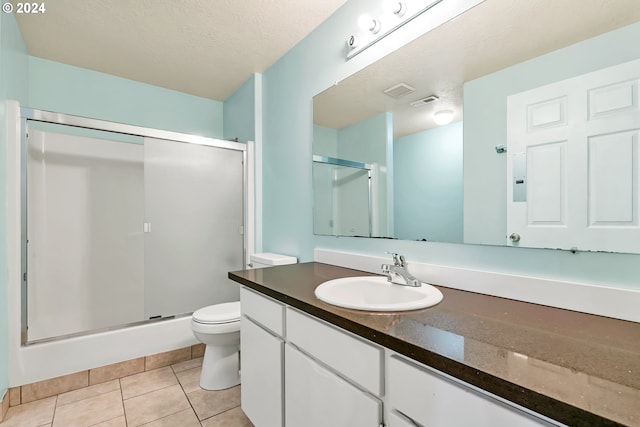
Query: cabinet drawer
<point x="316" y="397"/>
<point x="263" y="310"/>
<point x="430" y="398"/>
<point x="351" y="356"/>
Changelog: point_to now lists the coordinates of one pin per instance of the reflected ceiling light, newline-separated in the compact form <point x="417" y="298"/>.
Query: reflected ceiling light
<point x="443" y="117"/>
<point x="367" y="23"/>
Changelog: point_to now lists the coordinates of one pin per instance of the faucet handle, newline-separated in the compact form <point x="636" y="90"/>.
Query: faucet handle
<point x="398" y="260"/>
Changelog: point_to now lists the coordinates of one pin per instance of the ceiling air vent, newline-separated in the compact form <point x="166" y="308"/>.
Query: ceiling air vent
<point x="399" y="90"/>
<point x="424" y="101"/>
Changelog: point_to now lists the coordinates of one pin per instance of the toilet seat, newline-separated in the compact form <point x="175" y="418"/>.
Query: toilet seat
<point x="228" y="312"/>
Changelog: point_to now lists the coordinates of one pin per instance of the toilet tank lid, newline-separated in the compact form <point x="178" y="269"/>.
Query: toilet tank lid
<point x="270" y="258"/>
<point x="218" y="313"/>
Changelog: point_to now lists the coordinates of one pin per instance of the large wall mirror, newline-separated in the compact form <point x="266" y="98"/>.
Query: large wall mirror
<point x="383" y="168"/>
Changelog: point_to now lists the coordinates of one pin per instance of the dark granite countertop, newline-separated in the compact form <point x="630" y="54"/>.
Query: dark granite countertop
<point x="579" y="369"/>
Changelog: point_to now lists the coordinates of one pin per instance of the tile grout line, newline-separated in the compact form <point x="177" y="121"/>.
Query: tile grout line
<point x="124" y="410"/>
<point x="186" y="395"/>
<point x="220" y="413"/>
<point x="55" y="407"/>
<point x="152" y="391"/>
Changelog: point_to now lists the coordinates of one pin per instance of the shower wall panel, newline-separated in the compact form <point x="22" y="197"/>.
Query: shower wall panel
<point x="85" y="199"/>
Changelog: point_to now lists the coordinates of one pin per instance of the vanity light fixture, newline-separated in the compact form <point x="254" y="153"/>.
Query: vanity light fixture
<point x="443" y="117"/>
<point x="367" y="23"/>
<point x="396" y="7"/>
<point x="352" y="42"/>
<point x="391" y="15"/>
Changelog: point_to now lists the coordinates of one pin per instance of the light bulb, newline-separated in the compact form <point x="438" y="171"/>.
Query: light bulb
<point x="394" y="6"/>
<point x="443" y="117"/>
<point x="367" y="23"/>
<point x="352" y="42"/>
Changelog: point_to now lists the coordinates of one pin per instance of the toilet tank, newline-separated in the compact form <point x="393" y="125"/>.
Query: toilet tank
<point x="269" y="259"/>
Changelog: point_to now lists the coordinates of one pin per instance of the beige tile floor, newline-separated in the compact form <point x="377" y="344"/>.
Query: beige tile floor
<point x="164" y="397"/>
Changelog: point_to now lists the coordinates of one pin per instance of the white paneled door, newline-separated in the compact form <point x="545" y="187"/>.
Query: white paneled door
<point x="572" y="174"/>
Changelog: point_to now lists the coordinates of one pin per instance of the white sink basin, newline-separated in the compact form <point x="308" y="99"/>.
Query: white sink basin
<point x="375" y="293"/>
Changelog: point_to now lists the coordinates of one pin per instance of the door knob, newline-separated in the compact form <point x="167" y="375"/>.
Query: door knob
<point x="514" y="237"/>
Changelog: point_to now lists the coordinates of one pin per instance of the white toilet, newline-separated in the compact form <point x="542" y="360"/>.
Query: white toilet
<point x="218" y="327"/>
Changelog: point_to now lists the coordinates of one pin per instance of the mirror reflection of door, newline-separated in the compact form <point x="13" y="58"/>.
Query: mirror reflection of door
<point x="572" y="172"/>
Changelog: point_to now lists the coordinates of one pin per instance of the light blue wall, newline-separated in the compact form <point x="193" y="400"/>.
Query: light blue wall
<point x="239" y="113"/>
<point x="325" y="141"/>
<point x="289" y="85"/>
<point x="428" y="185"/>
<point x="364" y="141"/>
<point x="67" y="89"/>
<point x="367" y="141"/>
<point x="13" y="85"/>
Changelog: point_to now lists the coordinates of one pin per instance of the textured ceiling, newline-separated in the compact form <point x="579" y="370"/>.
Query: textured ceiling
<point x="491" y="36"/>
<point x="206" y="48"/>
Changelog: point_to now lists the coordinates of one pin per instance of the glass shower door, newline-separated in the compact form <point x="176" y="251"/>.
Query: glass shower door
<point x="341" y="198"/>
<point x="193" y="225"/>
<point x="85" y="244"/>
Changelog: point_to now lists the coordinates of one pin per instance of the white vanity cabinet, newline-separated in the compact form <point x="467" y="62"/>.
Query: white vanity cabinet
<point x="316" y="397"/>
<point x="298" y="370"/>
<point x="418" y="395"/>
<point x="261" y="359"/>
<point x="332" y="378"/>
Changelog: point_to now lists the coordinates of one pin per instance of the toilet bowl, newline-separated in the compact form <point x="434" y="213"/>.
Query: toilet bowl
<point x="218" y="327"/>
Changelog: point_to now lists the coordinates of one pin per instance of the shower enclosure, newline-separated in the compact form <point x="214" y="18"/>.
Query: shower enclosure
<point x="342" y="197"/>
<point x="123" y="225"/>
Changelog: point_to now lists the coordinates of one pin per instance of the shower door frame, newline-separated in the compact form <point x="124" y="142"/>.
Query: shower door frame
<point x="355" y="165"/>
<point x="45" y="116"/>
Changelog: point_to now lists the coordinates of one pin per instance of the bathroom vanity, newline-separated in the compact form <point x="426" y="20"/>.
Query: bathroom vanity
<point x="470" y="360"/>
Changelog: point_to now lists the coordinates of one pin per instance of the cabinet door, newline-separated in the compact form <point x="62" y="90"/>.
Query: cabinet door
<point x="261" y="369"/>
<point x="317" y="397"/>
<point x="431" y="399"/>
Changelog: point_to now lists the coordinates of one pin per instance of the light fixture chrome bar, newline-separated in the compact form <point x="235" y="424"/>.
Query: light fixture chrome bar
<point x="342" y="162"/>
<point x="390" y="22"/>
<point x="378" y="35"/>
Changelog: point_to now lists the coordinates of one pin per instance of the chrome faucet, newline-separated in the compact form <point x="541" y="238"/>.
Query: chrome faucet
<point x="398" y="274"/>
